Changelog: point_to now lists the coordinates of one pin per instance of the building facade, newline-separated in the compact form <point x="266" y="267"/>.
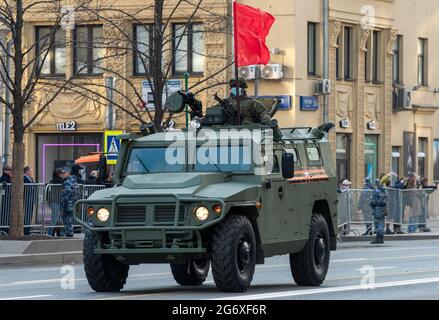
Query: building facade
<point x="382" y="63"/>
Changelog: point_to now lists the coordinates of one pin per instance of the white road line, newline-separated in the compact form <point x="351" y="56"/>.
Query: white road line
<point x="349" y="260"/>
<point x="376" y="268"/>
<point x="405" y="249"/>
<point x="292" y="293"/>
<point x="28" y="297"/>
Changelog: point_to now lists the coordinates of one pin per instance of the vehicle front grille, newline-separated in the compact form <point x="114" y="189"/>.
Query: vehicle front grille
<point x="131" y="214"/>
<point x="165" y="214"/>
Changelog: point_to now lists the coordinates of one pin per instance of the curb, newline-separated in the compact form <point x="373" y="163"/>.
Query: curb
<point x="402" y="237"/>
<point x="26" y="259"/>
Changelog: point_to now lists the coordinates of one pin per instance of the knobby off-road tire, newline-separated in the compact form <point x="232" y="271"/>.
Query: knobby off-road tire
<point x="309" y="267"/>
<point x="193" y="275"/>
<point x="104" y="273"/>
<point x="233" y="254"/>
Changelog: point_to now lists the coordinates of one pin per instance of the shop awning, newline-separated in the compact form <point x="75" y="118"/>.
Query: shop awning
<point x="88" y="159"/>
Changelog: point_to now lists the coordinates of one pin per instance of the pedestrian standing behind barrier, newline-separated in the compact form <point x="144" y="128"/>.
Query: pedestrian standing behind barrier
<point x="69" y="195"/>
<point x="30" y="198"/>
<point x="378" y="203"/>
<point x="363" y="204"/>
<point x="413" y="201"/>
<point x="5" y="179"/>
<point x="57" y="179"/>
<point x="426" y="194"/>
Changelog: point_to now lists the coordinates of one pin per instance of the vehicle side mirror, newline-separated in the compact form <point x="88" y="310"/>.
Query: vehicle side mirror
<point x="288" y="165"/>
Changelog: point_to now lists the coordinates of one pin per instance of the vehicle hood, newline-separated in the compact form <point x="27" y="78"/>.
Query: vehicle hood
<point x="187" y="184"/>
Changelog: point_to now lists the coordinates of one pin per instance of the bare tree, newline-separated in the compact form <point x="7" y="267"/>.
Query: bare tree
<point x="164" y="45"/>
<point x="21" y="74"/>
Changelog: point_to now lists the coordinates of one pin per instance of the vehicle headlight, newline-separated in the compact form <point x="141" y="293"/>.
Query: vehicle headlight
<point x="103" y="214"/>
<point x="201" y="213"/>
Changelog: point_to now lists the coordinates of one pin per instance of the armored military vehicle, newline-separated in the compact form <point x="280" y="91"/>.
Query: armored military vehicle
<point x="170" y="205"/>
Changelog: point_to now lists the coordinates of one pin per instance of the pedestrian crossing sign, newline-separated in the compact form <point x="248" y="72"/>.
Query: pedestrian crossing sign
<point x="112" y="145"/>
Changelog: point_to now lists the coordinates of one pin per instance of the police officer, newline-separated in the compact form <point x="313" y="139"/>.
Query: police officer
<point x="378" y="204"/>
<point x="252" y="110"/>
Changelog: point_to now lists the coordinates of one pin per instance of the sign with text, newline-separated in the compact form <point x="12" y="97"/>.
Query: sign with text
<point x="112" y="145"/>
<point x="66" y="126"/>
<point x="171" y="87"/>
<point x="284" y="101"/>
<point x="309" y="103"/>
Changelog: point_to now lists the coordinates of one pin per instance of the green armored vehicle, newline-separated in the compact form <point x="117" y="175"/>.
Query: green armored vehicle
<point x="212" y="197"/>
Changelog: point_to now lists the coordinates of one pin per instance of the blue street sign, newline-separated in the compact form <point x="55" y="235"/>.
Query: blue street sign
<point x="112" y="145"/>
<point x="309" y="103"/>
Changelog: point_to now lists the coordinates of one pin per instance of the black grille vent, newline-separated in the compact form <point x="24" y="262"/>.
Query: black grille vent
<point x="131" y="214"/>
<point x="164" y="215"/>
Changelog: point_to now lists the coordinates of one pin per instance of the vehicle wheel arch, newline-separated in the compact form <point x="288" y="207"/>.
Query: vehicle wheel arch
<point x="322" y="207"/>
<point x="252" y="213"/>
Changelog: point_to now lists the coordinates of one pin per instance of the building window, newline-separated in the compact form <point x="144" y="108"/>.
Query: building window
<point x="396" y="157"/>
<point x="422" y="156"/>
<point x="371" y="157"/>
<point x="337" y="59"/>
<point x="88" y="50"/>
<point x="436" y="161"/>
<point x="397" y="60"/>
<point x="366" y="62"/>
<point x="376" y="55"/>
<point x="312" y="48"/>
<point x="50" y="51"/>
<point x="423" y="62"/>
<point x="188" y="48"/>
<point x="348" y="53"/>
<point x="343" y="157"/>
<point x="142" y="50"/>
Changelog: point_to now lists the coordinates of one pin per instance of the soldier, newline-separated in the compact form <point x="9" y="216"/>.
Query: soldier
<point x="69" y="195"/>
<point x="378" y="204"/>
<point x="252" y="110"/>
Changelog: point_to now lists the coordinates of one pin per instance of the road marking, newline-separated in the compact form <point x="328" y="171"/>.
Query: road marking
<point x="375" y="268"/>
<point x="405" y="249"/>
<point x="349" y="260"/>
<point x="292" y="293"/>
<point x="28" y="297"/>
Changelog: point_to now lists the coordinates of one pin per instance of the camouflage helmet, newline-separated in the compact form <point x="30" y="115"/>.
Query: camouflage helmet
<point x="241" y="83"/>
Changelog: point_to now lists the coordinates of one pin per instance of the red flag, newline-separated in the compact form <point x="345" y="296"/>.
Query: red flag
<point x="251" y="27"/>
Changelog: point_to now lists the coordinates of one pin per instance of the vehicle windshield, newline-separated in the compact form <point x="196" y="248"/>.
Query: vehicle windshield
<point x="173" y="159"/>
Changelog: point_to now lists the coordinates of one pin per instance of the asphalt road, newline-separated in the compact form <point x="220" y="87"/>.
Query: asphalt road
<point x="396" y="270"/>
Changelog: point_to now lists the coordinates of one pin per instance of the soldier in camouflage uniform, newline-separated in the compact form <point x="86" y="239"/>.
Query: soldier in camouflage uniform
<point x="252" y="110"/>
<point x="378" y="204"/>
<point x="69" y="195"/>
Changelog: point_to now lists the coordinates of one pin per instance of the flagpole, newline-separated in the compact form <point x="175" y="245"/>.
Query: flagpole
<point x="235" y="42"/>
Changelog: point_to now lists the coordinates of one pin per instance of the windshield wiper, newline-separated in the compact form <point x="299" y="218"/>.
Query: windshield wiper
<point x="143" y="164"/>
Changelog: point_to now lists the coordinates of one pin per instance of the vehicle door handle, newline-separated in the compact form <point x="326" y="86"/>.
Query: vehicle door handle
<point x="281" y="192"/>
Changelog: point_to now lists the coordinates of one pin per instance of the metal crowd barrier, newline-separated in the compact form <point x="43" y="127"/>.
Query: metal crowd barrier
<point x="41" y="206"/>
<point x="409" y="208"/>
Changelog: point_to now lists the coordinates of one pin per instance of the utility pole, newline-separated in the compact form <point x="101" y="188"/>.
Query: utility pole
<point x="325" y="57"/>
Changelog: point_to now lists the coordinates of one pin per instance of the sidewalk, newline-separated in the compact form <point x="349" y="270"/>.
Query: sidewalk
<point x="357" y="231"/>
<point x="61" y="250"/>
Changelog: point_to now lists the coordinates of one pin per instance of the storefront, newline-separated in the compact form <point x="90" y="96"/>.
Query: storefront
<point x="61" y="149"/>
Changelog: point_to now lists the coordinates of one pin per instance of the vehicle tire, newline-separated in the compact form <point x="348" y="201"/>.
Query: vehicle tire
<point x="104" y="273"/>
<point x="195" y="276"/>
<point x="233" y="254"/>
<point x="309" y="267"/>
